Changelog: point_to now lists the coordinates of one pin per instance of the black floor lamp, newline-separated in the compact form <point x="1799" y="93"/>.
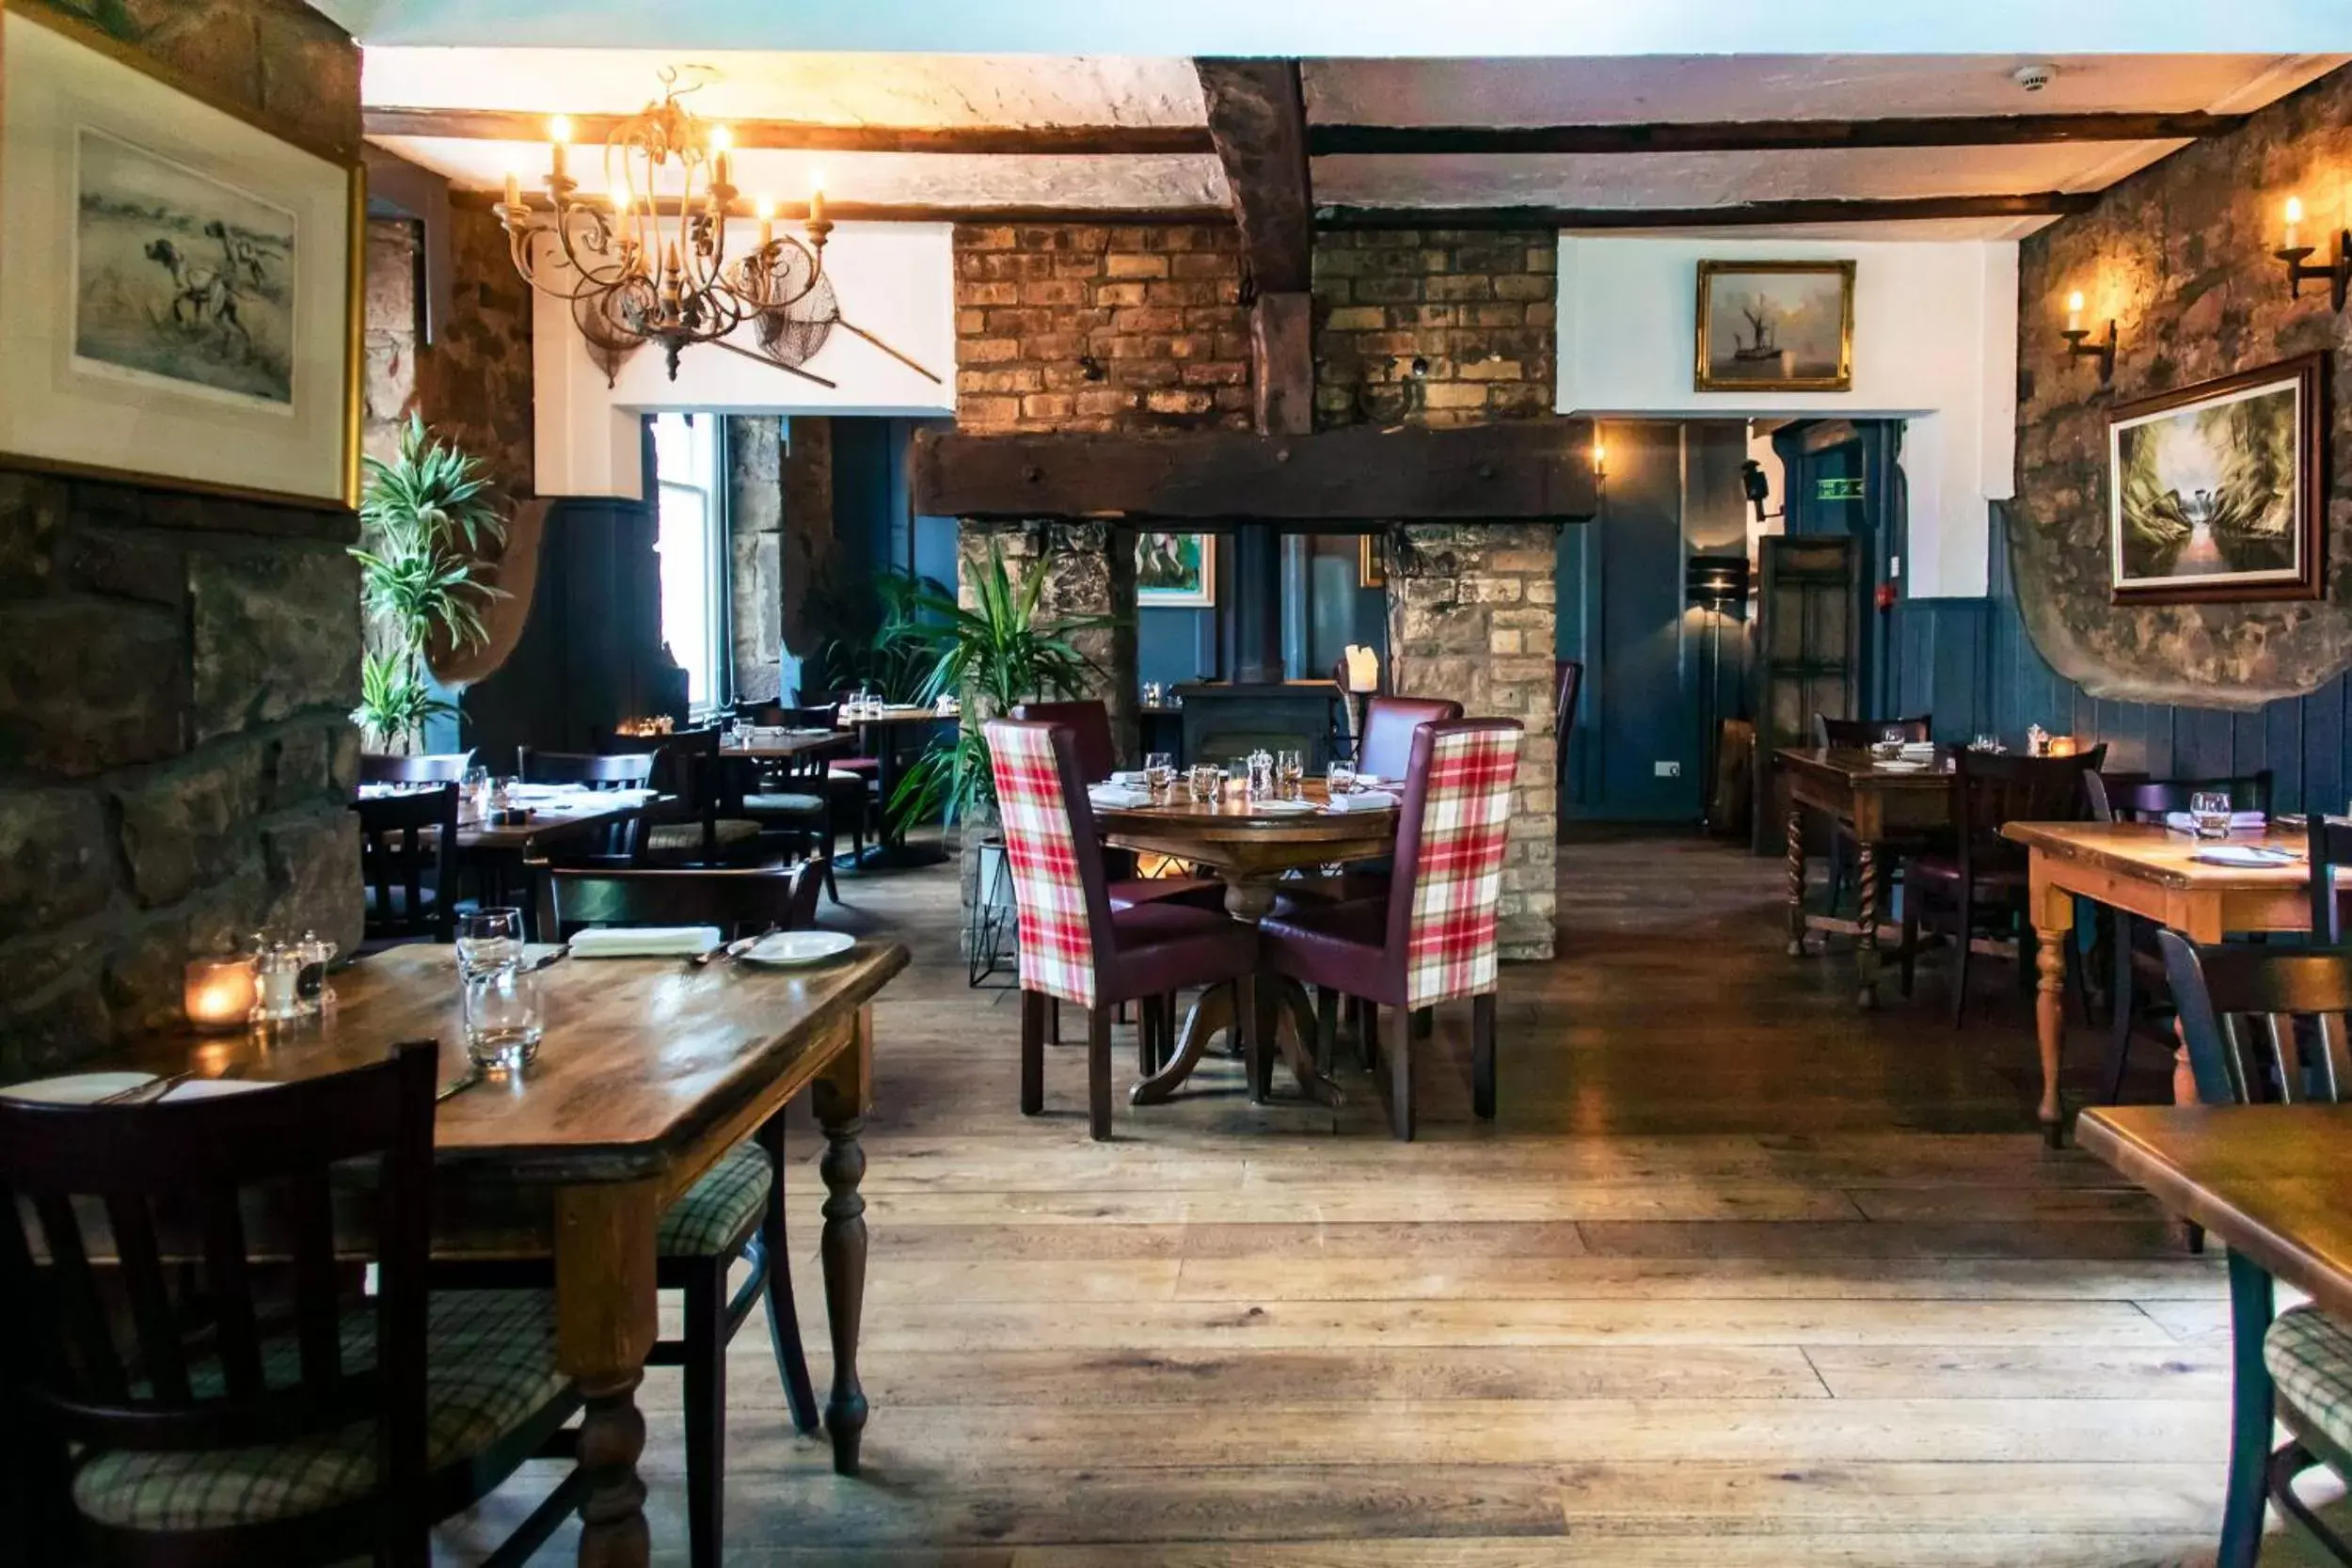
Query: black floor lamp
<point x="1715" y="583"/>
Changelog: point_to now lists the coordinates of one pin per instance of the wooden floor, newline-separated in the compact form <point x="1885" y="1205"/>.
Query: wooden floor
<point x="1741" y="1277"/>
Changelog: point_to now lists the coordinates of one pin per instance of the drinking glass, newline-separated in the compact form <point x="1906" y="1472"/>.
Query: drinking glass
<point x="2210" y="811"/>
<point x="1207" y="782"/>
<point x="1158" y="769"/>
<point x="478" y="786"/>
<point x="498" y="993"/>
<point x="1290" y="772"/>
<point x="1339" y="778"/>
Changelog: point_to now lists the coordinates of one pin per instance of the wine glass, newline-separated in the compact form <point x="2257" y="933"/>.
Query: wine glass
<point x="1339" y="779"/>
<point x="2209" y="809"/>
<point x="1290" y="772"/>
<point x="1158" y="769"/>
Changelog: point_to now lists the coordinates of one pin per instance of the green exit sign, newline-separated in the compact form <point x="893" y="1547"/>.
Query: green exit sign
<point x="1837" y="489"/>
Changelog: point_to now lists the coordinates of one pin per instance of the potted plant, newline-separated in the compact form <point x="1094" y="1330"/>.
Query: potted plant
<point x="424" y="519"/>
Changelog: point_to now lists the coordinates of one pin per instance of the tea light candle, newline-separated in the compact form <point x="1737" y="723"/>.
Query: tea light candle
<point x="219" y="992"/>
<point x="2063" y="746"/>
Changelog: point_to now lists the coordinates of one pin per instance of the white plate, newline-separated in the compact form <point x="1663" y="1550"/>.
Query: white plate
<point x="77" y="1088"/>
<point x="786" y="949"/>
<point x="213" y="1089"/>
<point x="2244" y="856"/>
<point x="1285" y="808"/>
<point x="1900" y="766"/>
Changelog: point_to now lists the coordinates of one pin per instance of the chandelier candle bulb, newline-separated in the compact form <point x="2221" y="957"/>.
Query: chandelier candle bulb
<point x="514" y="189"/>
<point x="767" y="209"/>
<point x="815" y="197"/>
<point x="560" y="134"/>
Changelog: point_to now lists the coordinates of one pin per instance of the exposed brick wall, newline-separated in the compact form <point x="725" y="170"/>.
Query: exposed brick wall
<point x="1476" y="307"/>
<point x="1157" y="306"/>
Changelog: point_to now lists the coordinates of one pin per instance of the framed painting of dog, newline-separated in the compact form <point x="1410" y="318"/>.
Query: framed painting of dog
<point x="179" y="296"/>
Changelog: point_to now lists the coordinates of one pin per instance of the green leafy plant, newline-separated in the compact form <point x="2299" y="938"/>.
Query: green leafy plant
<point x="996" y="655"/>
<point x="870" y="650"/>
<point x="424" y="517"/>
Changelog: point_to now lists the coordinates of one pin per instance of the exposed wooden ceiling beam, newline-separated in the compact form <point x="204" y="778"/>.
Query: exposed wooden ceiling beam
<point x="1771" y="135"/>
<point x="1509" y="470"/>
<point x="788" y="213"/>
<point x="1738" y="215"/>
<point x="1257" y="123"/>
<point x="1031" y="140"/>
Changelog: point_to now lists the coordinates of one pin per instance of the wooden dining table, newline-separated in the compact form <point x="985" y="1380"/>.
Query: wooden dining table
<point x="649" y="1071"/>
<point x="2272" y="1184"/>
<point x="1248" y="848"/>
<point x="883" y="736"/>
<point x="2146" y="869"/>
<point x="790" y="746"/>
<point x="1882" y="805"/>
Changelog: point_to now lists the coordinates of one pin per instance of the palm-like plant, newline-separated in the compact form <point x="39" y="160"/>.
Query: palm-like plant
<point x="993" y="655"/>
<point x="424" y="518"/>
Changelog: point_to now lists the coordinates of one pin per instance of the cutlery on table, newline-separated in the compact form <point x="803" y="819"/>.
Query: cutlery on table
<point x="730" y="950"/>
<point x="140" y="1094"/>
<point x="460" y="1084"/>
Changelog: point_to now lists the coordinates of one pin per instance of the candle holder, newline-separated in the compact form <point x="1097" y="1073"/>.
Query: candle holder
<point x="2103" y="351"/>
<point x="218" y="994"/>
<point x="2336" y="273"/>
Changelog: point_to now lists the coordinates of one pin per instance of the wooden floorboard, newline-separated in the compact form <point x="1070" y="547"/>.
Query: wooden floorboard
<point x="1741" y="1278"/>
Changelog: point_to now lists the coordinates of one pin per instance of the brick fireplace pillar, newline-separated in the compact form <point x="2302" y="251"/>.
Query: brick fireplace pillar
<point x="1470" y="617"/>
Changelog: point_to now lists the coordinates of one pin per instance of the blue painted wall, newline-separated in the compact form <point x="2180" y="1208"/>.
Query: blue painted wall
<point x="1180" y="644"/>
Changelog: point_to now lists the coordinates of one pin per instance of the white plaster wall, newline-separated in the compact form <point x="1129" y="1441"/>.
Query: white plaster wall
<point x="895" y="281"/>
<point x="1935" y="343"/>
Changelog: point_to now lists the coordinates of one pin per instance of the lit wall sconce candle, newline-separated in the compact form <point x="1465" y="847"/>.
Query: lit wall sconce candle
<point x="560" y="136"/>
<point x="2074" y="312"/>
<point x="766" y="208"/>
<point x="2336" y="272"/>
<point x="217" y="993"/>
<point x="2294" y="240"/>
<point x="1600" y="458"/>
<point x="816" y="197"/>
<point x="2078" y="336"/>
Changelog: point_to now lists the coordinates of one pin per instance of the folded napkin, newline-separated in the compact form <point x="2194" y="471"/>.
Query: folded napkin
<point x="1919" y="747"/>
<point x="1130" y="777"/>
<point x="644" y="941"/>
<point x="1364" y="799"/>
<point x="1119" y="795"/>
<point x="2239" y="820"/>
<point x="543" y="791"/>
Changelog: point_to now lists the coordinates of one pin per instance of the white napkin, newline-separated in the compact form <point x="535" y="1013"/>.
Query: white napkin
<point x="1919" y="747"/>
<point x="2239" y="820"/>
<point x="1364" y="799"/>
<point x="1130" y="777"/>
<point x="644" y="941"/>
<point x="1119" y="795"/>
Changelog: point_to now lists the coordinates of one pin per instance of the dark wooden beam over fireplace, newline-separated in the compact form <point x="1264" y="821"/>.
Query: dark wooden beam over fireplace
<point x="1516" y="471"/>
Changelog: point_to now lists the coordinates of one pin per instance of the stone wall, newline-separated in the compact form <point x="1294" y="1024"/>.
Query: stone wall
<point x="755" y="525"/>
<point x="174" y="670"/>
<point x="2179" y="255"/>
<point x="1438" y="327"/>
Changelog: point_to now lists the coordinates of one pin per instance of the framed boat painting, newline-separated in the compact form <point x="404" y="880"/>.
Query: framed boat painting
<point x="179" y="297"/>
<point x="2218" y="491"/>
<point x="1776" y="326"/>
<point x="1177" y="570"/>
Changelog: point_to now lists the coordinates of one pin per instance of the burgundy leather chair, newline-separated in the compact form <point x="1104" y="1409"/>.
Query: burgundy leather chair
<point x="1077" y="944"/>
<point x="1432" y="939"/>
<point x="1090" y="724"/>
<point x="1386" y="746"/>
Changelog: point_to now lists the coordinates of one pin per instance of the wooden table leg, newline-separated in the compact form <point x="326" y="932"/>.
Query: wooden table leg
<point x="2050" y="1011"/>
<point x="1865" y="953"/>
<point x="1212" y="1012"/>
<point x="604" y="1306"/>
<point x="1796" y="880"/>
<point x="841" y="1095"/>
<point x="1295" y="1034"/>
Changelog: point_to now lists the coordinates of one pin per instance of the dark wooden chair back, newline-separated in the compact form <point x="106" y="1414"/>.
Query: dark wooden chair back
<point x="820" y="717"/>
<point x="408" y="851"/>
<point x="738" y="901"/>
<point x="1854" y="735"/>
<point x="2138" y="797"/>
<point x="1990" y="789"/>
<point x="1567" y="682"/>
<point x="1089" y="726"/>
<point x="195" y="1363"/>
<point x="616" y="771"/>
<point x="2262" y="1021"/>
<point x="2328" y="845"/>
<point x="441" y="767"/>
<point x="1386" y="750"/>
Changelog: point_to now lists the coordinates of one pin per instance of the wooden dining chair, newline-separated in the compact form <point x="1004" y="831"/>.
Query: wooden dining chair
<point x="1854" y="735"/>
<point x="853" y="783"/>
<point x="438" y="767"/>
<point x="1079" y="945"/>
<point x="2327" y="844"/>
<point x="707" y="825"/>
<point x="2263" y="1022"/>
<point x="250" y="1405"/>
<point x="2138" y="997"/>
<point x="1385" y="749"/>
<point x="1432" y="939"/>
<point x="408" y="859"/>
<point x="616" y="844"/>
<point x="1980" y="882"/>
<point x="791" y="797"/>
<point x="736" y="1211"/>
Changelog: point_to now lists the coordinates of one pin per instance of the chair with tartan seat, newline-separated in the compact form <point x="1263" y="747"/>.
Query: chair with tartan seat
<point x="252" y="1406"/>
<point x="1432" y="939"/>
<point x="1077" y="945"/>
<point x="2264" y="1021"/>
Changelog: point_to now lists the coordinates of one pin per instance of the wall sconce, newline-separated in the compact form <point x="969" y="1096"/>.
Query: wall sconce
<point x="1600" y="457"/>
<point x="2076" y="334"/>
<point x="2337" y="273"/>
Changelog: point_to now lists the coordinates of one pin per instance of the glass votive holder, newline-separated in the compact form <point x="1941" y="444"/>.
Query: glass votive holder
<point x="218" y="994"/>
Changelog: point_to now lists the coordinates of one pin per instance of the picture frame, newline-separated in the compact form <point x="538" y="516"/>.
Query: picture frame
<point x="1176" y="571"/>
<point x="1372" y="562"/>
<point x="1774" y="327"/>
<point x="2217" y="492"/>
<point x="179" y="283"/>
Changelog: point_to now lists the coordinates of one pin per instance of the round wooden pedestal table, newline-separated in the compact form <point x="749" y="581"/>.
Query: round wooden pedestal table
<point x="1248" y="849"/>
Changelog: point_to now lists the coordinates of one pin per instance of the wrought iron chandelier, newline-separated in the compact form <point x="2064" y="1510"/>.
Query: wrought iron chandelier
<point x="647" y="261"/>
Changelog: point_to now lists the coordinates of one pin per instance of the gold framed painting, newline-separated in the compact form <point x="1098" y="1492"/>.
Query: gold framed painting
<point x="180" y="288"/>
<point x="1776" y="326"/>
<point x="1372" y="562"/>
<point x="1176" y="570"/>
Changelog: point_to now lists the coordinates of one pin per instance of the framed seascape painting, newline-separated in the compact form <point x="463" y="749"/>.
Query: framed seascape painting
<point x="179" y="302"/>
<point x="1176" y="569"/>
<point x="1776" y="326"/>
<point x="2218" y="491"/>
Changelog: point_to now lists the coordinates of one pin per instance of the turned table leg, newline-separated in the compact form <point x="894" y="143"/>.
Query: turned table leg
<point x="605" y="1327"/>
<point x="840" y="1097"/>
<point x="1866" y="892"/>
<point x="1796" y="880"/>
<point x="2050" y="1025"/>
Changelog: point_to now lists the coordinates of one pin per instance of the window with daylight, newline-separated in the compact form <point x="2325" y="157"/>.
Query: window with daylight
<point x="690" y="538"/>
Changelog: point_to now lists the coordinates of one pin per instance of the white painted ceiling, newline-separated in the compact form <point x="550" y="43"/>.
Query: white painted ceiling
<point x="966" y="90"/>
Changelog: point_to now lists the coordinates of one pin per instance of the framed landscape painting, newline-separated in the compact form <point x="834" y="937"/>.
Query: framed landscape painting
<point x="178" y="298"/>
<point x="1776" y="326"/>
<point x="1176" y="569"/>
<point x="2217" y="491"/>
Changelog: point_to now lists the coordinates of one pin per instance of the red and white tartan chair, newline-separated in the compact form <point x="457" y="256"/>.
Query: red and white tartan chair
<point x="1432" y="939"/>
<point x="1083" y="939"/>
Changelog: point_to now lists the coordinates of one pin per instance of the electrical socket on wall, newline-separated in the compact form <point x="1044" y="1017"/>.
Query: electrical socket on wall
<point x="1667" y="769"/>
